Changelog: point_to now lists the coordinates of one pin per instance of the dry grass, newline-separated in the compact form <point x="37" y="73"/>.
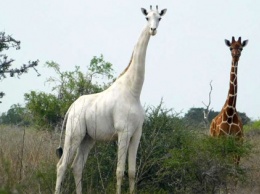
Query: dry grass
<point x="24" y="156"/>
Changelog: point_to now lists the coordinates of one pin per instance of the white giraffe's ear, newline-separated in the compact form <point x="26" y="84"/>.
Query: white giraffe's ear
<point x="245" y="42"/>
<point x="163" y="12"/>
<point x="227" y="42"/>
<point x="144" y="11"/>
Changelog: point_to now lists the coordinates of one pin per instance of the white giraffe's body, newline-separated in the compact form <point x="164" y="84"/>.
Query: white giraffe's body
<point x="114" y="114"/>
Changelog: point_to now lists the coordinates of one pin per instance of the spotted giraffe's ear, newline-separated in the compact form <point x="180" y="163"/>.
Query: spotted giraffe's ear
<point x="227" y="42"/>
<point x="244" y="43"/>
<point x="144" y="11"/>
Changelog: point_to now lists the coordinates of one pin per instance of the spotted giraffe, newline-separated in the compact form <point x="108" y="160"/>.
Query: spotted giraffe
<point x="228" y="121"/>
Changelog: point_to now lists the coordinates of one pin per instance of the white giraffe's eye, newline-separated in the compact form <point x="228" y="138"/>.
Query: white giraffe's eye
<point x="147" y="19"/>
<point x="160" y="19"/>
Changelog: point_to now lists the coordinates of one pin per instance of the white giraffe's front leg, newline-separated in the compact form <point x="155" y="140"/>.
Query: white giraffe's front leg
<point x="132" y="151"/>
<point x="123" y="143"/>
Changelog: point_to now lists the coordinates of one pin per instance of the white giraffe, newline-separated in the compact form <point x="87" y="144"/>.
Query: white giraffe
<point x="114" y="114"/>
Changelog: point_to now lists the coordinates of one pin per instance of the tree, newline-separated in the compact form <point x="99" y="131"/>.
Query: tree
<point x="244" y="117"/>
<point x="16" y="115"/>
<point x="45" y="109"/>
<point x="6" y="42"/>
<point x="49" y="109"/>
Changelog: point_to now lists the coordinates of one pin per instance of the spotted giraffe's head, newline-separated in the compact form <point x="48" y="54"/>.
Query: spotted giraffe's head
<point x="236" y="47"/>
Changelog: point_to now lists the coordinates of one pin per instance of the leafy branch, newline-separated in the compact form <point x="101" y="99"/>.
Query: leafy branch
<point x="6" y="42"/>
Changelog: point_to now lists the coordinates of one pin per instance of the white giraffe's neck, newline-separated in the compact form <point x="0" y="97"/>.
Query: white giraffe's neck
<point x="135" y="72"/>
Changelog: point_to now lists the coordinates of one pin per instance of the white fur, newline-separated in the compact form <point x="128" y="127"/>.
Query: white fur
<point x="114" y="114"/>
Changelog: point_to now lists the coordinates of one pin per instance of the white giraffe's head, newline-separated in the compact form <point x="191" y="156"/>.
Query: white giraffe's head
<point x="153" y="17"/>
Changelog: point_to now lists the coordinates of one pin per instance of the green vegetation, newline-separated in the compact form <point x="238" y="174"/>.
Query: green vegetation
<point x="175" y="154"/>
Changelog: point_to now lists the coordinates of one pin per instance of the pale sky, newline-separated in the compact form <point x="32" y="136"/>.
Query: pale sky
<point x="185" y="55"/>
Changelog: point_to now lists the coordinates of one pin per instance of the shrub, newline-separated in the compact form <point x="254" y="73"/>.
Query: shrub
<point x="204" y="164"/>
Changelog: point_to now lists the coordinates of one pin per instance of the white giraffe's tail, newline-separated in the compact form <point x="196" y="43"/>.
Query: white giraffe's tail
<point x="59" y="150"/>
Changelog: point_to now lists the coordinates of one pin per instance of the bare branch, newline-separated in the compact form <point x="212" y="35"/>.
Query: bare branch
<point x="207" y="110"/>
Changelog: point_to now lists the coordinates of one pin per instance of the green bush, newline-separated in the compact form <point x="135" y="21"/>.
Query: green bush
<point x="172" y="158"/>
<point x="45" y="109"/>
<point x="157" y="139"/>
<point x="204" y="164"/>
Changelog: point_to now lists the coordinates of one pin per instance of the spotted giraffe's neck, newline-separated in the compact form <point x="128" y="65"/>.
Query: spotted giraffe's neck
<point x="230" y="104"/>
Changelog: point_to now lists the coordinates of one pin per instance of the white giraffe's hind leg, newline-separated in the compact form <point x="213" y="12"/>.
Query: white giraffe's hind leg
<point x="72" y="141"/>
<point x="80" y="161"/>
<point x="62" y="166"/>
